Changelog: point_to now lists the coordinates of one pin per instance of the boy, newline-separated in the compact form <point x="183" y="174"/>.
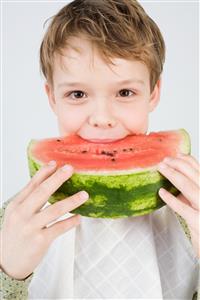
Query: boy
<point x="92" y="53"/>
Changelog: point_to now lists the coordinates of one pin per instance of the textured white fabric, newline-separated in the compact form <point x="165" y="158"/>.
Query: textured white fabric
<point x="136" y="257"/>
<point x="53" y="278"/>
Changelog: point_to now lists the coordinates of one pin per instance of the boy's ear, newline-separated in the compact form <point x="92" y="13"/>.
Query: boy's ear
<point x="155" y="96"/>
<point x="50" y="95"/>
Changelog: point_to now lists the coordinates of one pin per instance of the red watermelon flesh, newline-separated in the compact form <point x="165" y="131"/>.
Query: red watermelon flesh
<point x="132" y="152"/>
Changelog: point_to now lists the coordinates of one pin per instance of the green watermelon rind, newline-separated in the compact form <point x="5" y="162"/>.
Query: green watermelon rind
<point x="185" y="146"/>
<point x="115" y="196"/>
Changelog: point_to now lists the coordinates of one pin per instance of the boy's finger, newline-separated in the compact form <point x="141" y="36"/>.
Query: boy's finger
<point x="184" y="167"/>
<point x="182" y="198"/>
<point x="191" y="160"/>
<point x="184" y="210"/>
<point x="188" y="188"/>
<point x="36" y="200"/>
<point x="61" y="227"/>
<point x="43" y="173"/>
<point x="58" y="209"/>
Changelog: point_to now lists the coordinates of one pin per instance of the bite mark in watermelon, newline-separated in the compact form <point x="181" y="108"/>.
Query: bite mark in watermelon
<point x="121" y="177"/>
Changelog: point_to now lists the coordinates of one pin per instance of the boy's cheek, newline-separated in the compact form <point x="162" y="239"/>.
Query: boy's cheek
<point x="69" y="122"/>
<point x="136" y="121"/>
<point x="72" y="119"/>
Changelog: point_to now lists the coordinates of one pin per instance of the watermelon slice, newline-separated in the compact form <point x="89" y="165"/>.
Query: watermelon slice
<point x="121" y="177"/>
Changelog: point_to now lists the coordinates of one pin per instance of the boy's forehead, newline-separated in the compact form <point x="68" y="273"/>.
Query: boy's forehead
<point x="81" y="58"/>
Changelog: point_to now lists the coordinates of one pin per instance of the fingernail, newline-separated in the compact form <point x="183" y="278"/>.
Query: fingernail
<point x="84" y="195"/>
<point x="67" y="168"/>
<point x="52" y="163"/>
<point x="180" y="154"/>
<point x="167" y="159"/>
<point x="162" y="191"/>
<point x="162" y="165"/>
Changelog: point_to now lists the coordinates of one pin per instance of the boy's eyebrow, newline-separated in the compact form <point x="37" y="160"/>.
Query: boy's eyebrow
<point x="127" y="81"/>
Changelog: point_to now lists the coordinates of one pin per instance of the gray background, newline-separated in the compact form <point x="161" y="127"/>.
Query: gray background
<point x="25" y="110"/>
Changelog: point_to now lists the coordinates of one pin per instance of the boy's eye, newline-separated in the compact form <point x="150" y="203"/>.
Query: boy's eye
<point x="125" y="93"/>
<point x="79" y="94"/>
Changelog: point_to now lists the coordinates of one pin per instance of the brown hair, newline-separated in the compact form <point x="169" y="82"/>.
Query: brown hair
<point x="118" y="28"/>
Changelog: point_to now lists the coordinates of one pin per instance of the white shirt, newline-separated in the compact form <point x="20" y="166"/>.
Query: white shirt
<point x="136" y="257"/>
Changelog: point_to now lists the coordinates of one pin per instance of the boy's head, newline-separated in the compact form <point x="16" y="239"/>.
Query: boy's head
<point x="98" y="44"/>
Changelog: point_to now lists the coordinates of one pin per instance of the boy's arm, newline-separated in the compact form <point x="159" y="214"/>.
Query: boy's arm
<point x="184" y="225"/>
<point x="12" y="288"/>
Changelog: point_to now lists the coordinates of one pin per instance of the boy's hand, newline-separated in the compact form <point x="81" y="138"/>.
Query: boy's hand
<point x="183" y="172"/>
<point x="25" y="236"/>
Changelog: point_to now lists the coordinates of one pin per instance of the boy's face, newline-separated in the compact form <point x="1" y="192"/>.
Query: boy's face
<point x="97" y="106"/>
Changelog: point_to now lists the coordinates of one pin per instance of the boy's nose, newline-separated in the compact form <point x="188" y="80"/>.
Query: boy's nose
<point x="102" y="122"/>
<point x="102" y="115"/>
<point x="106" y="125"/>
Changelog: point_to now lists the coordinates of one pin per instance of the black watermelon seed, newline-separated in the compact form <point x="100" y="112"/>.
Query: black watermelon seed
<point x="115" y="151"/>
<point x="58" y="140"/>
<point x="103" y="152"/>
<point x="124" y="150"/>
<point x="131" y="149"/>
<point x="110" y="154"/>
<point x="112" y="159"/>
<point x="107" y="153"/>
<point x="84" y="151"/>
